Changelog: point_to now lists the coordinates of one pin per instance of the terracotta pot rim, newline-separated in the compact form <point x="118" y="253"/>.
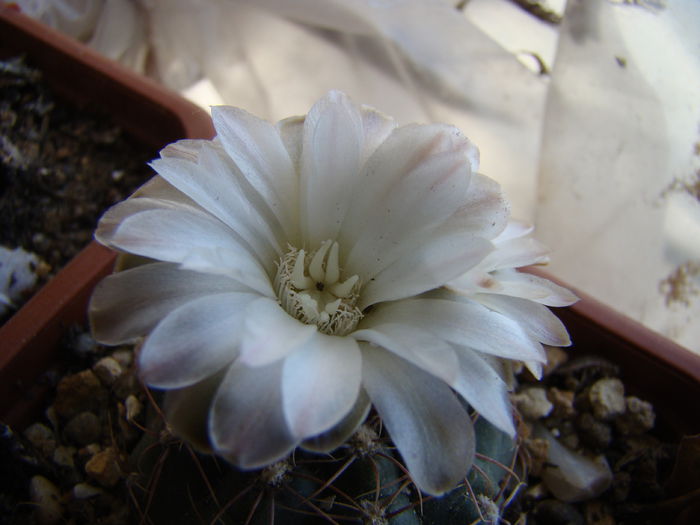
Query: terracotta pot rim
<point x="661" y="348"/>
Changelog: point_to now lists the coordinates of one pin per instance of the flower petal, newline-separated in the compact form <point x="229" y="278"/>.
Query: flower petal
<point x="194" y="341"/>
<point x="485" y="211"/>
<point x="213" y="183"/>
<point x="187" y="410"/>
<point x="462" y="322"/>
<point x="421" y="348"/>
<point x="158" y="188"/>
<point x="320" y="384"/>
<point x="127" y="305"/>
<point x="376" y="129"/>
<point x="521" y="284"/>
<point x="337" y="138"/>
<point x="246" y="421"/>
<point x="373" y="129"/>
<point x="415" y="180"/>
<point x="440" y="259"/>
<point x="257" y="149"/>
<point x="537" y="319"/>
<point x="535" y="369"/>
<point x="482" y="387"/>
<point x="270" y="333"/>
<point x="114" y="216"/>
<point x="194" y="239"/>
<point x="515" y="229"/>
<point x="291" y="132"/>
<point x="185" y="149"/>
<point x="427" y="423"/>
<point x="330" y="165"/>
<point x="331" y="439"/>
<point x="516" y="253"/>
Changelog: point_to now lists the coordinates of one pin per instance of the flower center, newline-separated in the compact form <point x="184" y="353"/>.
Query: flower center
<point x="311" y="288"/>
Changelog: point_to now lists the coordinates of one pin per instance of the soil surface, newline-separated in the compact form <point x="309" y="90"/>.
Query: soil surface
<point x="583" y="402"/>
<point x="61" y="167"/>
<point x="86" y="459"/>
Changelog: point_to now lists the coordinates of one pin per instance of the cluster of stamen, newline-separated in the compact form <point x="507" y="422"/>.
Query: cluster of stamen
<point x="310" y="288"/>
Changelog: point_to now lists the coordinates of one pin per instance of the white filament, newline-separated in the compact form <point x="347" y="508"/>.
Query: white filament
<point x="310" y="288"/>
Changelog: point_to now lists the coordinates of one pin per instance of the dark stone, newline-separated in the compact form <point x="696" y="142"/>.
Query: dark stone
<point x="555" y="512"/>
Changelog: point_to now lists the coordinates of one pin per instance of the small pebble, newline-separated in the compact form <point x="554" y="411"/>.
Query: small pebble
<point x="570" y="440"/>
<point x="108" y="370"/>
<point x="565" y="431"/>
<point x="607" y="398"/>
<point x="52" y="416"/>
<point x="85" y="491"/>
<point x="554" y="512"/>
<point x="570" y="475"/>
<point x="83" y="429"/>
<point x="594" y="433"/>
<point x="133" y="408"/>
<point x="537" y="449"/>
<point x="621" y="484"/>
<point x="637" y="419"/>
<point x="562" y="401"/>
<point x="126" y="385"/>
<point x="42" y="438"/>
<point x="532" y="403"/>
<point x="123" y="357"/>
<point x="596" y="513"/>
<point x="40" y="241"/>
<point x="130" y="431"/>
<point x="63" y="456"/>
<point x="104" y="468"/>
<point x="79" y="393"/>
<point x="47" y="498"/>
<point x="90" y="450"/>
<point x="555" y="358"/>
<point x="537" y="492"/>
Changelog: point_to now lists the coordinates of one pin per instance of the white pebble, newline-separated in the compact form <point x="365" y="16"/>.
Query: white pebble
<point x="133" y="408"/>
<point x="17" y="276"/>
<point x="532" y="403"/>
<point x="570" y="476"/>
<point x="41" y="437"/>
<point x="63" y="456"/>
<point x="108" y="370"/>
<point x="607" y="397"/>
<point x="123" y="357"/>
<point x="85" y="491"/>
<point x="638" y="418"/>
<point x="47" y="498"/>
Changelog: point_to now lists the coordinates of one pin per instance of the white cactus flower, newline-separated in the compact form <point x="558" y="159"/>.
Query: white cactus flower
<point x="298" y="276"/>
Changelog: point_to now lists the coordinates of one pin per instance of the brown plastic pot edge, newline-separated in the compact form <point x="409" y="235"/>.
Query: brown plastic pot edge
<point x="30" y="337"/>
<point x="150" y="113"/>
